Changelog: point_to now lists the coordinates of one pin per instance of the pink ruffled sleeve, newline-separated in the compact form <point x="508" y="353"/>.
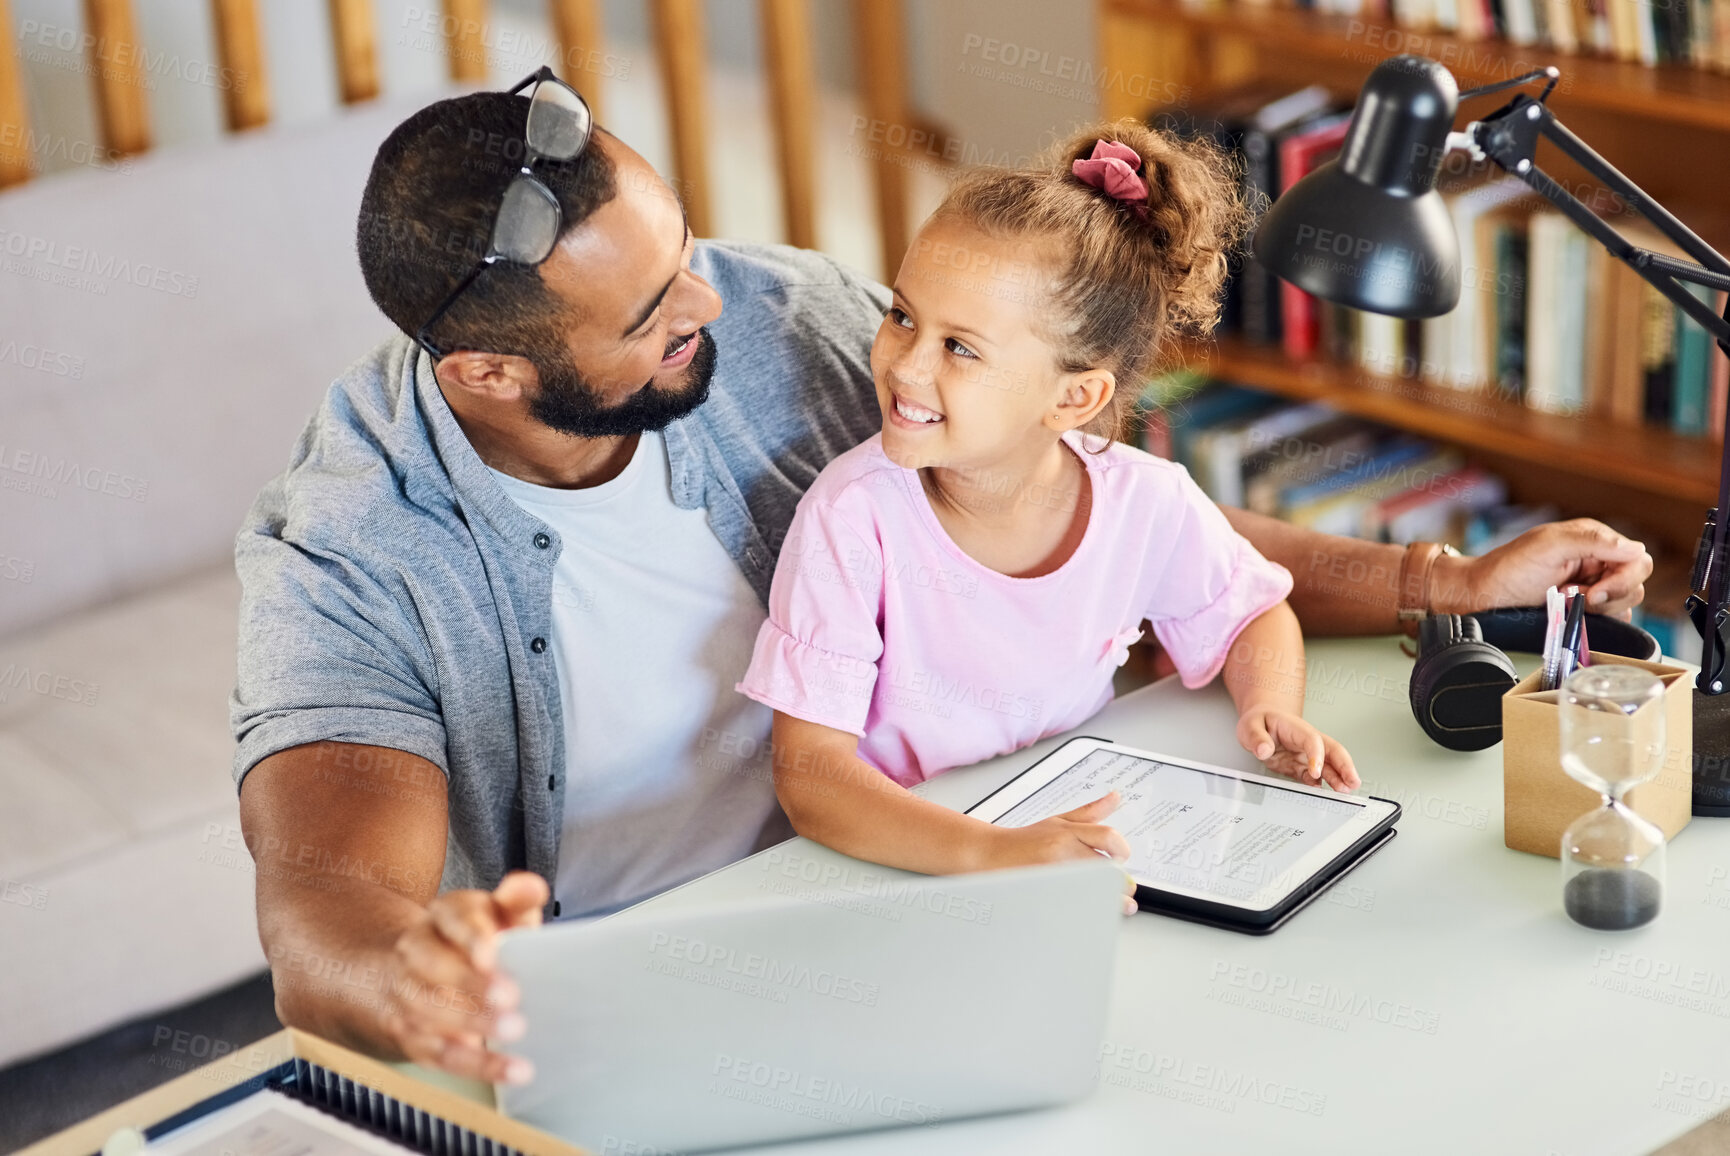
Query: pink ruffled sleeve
<point x="1212" y="585"/>
<point x="816" y="655"/>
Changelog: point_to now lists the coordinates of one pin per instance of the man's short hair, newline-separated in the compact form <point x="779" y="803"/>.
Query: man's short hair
<point x="427" y="215"/>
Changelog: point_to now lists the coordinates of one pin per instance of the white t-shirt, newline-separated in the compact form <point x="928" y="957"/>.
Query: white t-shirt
<point x="667" y="768"/>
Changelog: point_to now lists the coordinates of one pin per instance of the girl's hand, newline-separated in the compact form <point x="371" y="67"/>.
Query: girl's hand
<point x="1076" y="834"/>
<point x="1289" y="746"/>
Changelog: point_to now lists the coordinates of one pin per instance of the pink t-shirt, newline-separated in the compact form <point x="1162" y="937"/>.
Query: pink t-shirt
<point x="881" y="626"/>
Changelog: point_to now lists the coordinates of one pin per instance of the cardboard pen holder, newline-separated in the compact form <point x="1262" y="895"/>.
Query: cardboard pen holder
<point x="1540" y="800"/>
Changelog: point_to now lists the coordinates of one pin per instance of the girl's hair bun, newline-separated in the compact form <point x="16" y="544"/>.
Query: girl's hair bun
<point x="1192" y="210"/>
<point x="1137" y="226"/>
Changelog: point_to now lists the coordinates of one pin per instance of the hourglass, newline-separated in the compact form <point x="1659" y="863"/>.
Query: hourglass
<point x="1612" y="740"/>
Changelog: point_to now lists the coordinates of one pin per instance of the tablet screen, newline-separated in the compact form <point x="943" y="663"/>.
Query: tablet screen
<point x="1204" y="832"/>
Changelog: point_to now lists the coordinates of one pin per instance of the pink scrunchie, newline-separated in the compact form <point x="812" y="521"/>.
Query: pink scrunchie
<point x="1111" y="169"/>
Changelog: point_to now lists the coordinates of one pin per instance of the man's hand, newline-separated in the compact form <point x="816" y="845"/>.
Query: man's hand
<point x="448" y="995"/>
<point x="1612" y="569"/>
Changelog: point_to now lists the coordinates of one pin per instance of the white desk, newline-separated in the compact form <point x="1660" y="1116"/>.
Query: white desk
<point x="1437" y="1000"/>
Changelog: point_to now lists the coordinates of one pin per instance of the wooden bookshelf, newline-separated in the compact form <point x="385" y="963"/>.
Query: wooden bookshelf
<point x="1654" y="461"/>
<point x="1666" y="127"/>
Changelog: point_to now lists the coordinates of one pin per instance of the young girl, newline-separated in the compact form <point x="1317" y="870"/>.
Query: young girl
<point x="966" y="582"/>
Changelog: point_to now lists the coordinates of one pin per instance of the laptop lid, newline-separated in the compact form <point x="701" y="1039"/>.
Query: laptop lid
<point x="890" y="1000"/>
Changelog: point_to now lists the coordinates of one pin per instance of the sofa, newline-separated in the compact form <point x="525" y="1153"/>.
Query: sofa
<point x="167" y="325"/>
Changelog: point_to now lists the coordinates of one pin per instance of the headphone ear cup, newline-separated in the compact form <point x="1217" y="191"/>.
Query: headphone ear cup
<point x="1457" y="694"/>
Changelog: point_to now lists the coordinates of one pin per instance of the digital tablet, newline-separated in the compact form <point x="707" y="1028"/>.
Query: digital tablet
<point x="1209" y="843"/>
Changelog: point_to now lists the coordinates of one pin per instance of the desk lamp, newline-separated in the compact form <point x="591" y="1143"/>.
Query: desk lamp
<point x="1368" y="230"/>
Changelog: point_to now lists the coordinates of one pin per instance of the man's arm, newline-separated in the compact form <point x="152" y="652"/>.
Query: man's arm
<point x="349" y="843"/>
<point x="1350" y="586"/>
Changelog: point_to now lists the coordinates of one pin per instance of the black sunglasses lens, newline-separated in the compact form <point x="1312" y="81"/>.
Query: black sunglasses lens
<point x="559" y="121"/>
<point x="528" y="223"/>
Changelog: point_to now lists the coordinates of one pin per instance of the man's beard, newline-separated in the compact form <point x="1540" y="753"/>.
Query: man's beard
<point x="571" y="405"/>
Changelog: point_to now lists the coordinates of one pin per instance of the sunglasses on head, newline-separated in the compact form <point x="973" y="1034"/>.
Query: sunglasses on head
<point x="528" y="221"/>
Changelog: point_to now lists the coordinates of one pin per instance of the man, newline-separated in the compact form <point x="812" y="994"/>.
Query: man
<point x="495" y="607"/>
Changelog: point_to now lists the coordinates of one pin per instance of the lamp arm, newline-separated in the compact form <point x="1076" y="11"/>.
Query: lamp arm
<point x="1509" y="137"/>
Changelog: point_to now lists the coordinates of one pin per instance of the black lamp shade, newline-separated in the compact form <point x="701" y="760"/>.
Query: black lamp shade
<point x="1369" y="230"/>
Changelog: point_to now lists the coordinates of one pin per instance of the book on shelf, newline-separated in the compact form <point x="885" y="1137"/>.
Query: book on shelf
<point x="1547" y="318"/>
<point x="1302" y="149"/>
<point x="1693" y="374"/>
<point x="1246" y="122"/>
<point x="1693" y="33"/>
<point x="1308" y="464"/>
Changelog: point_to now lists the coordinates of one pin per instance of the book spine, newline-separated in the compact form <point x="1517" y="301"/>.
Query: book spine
<point x="1657" y="355"/>
<point x="1688" y="405"/>
<point x="1718" y="375"/>
<point x="1258" y="292"/>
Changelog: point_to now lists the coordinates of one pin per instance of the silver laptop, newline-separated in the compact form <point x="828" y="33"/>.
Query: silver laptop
<point x="874" y="999"/>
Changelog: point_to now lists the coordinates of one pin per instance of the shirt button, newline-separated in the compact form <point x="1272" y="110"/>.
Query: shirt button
<point x="538" y="645"/>
<point x="542" y="541"/>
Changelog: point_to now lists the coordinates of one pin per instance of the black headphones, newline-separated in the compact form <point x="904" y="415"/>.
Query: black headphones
<point x="1461" y="673"/>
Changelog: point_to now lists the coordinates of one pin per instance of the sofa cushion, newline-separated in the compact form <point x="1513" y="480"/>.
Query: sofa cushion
<point x="168" y="329"/>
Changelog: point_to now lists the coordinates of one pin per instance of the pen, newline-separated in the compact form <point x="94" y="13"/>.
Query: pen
<point x="1552" y="641"/>
<point x="1570" y="655"/>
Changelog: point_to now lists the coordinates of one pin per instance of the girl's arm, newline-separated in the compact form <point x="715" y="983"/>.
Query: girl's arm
<point x="836" y="798"/>
<point x="1265" y="674"/>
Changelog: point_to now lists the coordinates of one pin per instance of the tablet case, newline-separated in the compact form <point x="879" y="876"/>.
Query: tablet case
<point x="1150" y="900"/>
<point x="1200" y="911"/>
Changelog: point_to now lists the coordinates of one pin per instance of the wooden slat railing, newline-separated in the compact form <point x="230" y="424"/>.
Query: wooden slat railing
<point x="679" y="44"/>
<point x="240" y="48"/>
<point x="577" y="31"/>
<point x="882" y="80"/>
<point x="466" y="21"/>
<point x="121" y="112"/>
<point x="792" y="110"/>
<point x="15" y="136"/>
<point x="124" y="117"/>
<point x="355" y="39"/>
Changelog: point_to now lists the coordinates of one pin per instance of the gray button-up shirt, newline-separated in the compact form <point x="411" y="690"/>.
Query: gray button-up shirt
<point x="392" y="592"/>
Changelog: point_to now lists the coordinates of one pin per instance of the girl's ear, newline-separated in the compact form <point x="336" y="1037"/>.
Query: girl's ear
<point x="1080" y="399"/>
